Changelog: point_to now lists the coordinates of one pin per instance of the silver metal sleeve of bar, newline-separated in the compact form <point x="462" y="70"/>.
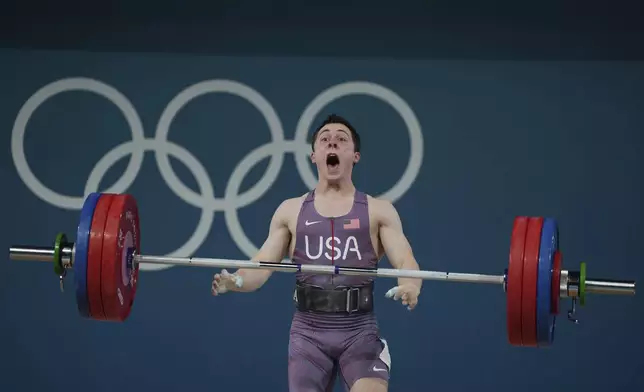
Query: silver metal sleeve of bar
<point x="31" y="253"/>
<point x="39" y="253"/>
<point x="321" y="269"/>
<point x="613" y="287"/>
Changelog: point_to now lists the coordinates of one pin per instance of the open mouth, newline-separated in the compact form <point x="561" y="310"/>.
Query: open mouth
<point x="332" y="161"/>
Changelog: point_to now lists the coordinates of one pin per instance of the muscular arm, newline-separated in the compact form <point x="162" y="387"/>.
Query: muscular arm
<point x="395" y="243"/>
<point x="274" y="249"/>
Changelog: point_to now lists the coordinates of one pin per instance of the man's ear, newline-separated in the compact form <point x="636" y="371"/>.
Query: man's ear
<point x="356" y="157"/>
<point x="312" y="155"/>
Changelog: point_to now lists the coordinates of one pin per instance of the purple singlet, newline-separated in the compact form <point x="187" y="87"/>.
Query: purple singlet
<point x="321" y="344"/>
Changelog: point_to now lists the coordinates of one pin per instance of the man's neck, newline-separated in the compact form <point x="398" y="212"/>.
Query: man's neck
<point x="335" y="189"/>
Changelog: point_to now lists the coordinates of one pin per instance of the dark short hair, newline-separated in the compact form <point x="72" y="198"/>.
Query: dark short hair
<point x="335" y="119"/>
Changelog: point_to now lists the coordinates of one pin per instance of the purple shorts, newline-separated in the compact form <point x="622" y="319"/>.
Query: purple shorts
<point x="321" y="347"/>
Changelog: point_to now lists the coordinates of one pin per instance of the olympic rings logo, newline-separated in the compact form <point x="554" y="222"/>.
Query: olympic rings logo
<point x="162" y="148"/>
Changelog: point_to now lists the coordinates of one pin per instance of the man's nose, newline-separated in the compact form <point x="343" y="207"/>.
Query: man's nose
<point x="333" y="145"/>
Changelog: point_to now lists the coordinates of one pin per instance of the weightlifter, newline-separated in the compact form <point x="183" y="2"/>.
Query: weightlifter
<point x="334" y="326"/>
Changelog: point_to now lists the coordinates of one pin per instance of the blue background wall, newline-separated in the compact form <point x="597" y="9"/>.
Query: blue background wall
<point x="521" y="112"/>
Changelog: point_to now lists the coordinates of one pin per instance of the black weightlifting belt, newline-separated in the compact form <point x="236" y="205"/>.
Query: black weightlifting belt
<point x="341" y="300"/>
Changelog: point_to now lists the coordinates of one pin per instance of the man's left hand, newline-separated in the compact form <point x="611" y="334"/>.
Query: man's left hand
<point x="407" y="292"/>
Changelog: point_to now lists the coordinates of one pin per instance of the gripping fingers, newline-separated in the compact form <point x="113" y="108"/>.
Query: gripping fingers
<point x="215" y="289"/>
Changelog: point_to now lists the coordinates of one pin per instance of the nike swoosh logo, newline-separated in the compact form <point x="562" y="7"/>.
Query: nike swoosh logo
<point x="307" y="223"/>
<point x="377" y="369"/>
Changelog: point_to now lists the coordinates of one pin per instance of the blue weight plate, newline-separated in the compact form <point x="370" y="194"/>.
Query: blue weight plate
<point x="80" y="253"/>
<point x="545" y="318"/>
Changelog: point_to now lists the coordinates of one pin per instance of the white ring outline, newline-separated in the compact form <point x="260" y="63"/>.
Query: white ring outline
<point x="239" y="90"/>
<point x="161" y="146"/>
<point x="55" y="88"/>
<point x="184" y="156"/>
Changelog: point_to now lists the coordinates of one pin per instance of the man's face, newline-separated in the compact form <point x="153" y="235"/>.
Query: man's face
<point x="334" y="152"/>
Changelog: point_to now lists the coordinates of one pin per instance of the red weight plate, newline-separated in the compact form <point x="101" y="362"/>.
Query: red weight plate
<point x="515" y="280"/>
<point x="95" y="256"/>
<point x="556" y="280"/>
<point x="530" y="276"/>
<point x="119" y="275"/>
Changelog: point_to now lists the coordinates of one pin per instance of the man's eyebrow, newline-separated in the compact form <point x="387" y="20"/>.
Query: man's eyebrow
<point x="343" y="131"/>
<point x="328" y="130"/>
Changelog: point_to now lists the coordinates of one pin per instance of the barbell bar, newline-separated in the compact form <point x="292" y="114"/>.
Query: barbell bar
<point x="105" y="259"/>
<point x="34" y="253"/>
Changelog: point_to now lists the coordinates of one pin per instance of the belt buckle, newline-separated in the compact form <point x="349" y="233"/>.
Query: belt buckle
<point x="349" y="298"/>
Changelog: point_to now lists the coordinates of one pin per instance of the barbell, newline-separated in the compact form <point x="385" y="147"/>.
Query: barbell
<point x="106" y="255"/>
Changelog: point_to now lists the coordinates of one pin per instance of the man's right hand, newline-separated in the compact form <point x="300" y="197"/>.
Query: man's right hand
<point x="225" y="281"/>
<point x="274" y="249"/>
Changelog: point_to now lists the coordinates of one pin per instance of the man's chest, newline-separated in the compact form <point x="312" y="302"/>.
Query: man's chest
<point x="349" y="237"/>
<point x="341" y="220"/>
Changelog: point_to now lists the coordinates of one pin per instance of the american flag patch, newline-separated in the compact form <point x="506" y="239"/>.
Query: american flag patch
<point x="350" y="224"/>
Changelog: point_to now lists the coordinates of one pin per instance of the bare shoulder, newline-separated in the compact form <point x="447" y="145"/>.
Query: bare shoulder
<point x="382" y="210"/>
<point x="380" y="205"/>
<point x="289" y="208"/>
